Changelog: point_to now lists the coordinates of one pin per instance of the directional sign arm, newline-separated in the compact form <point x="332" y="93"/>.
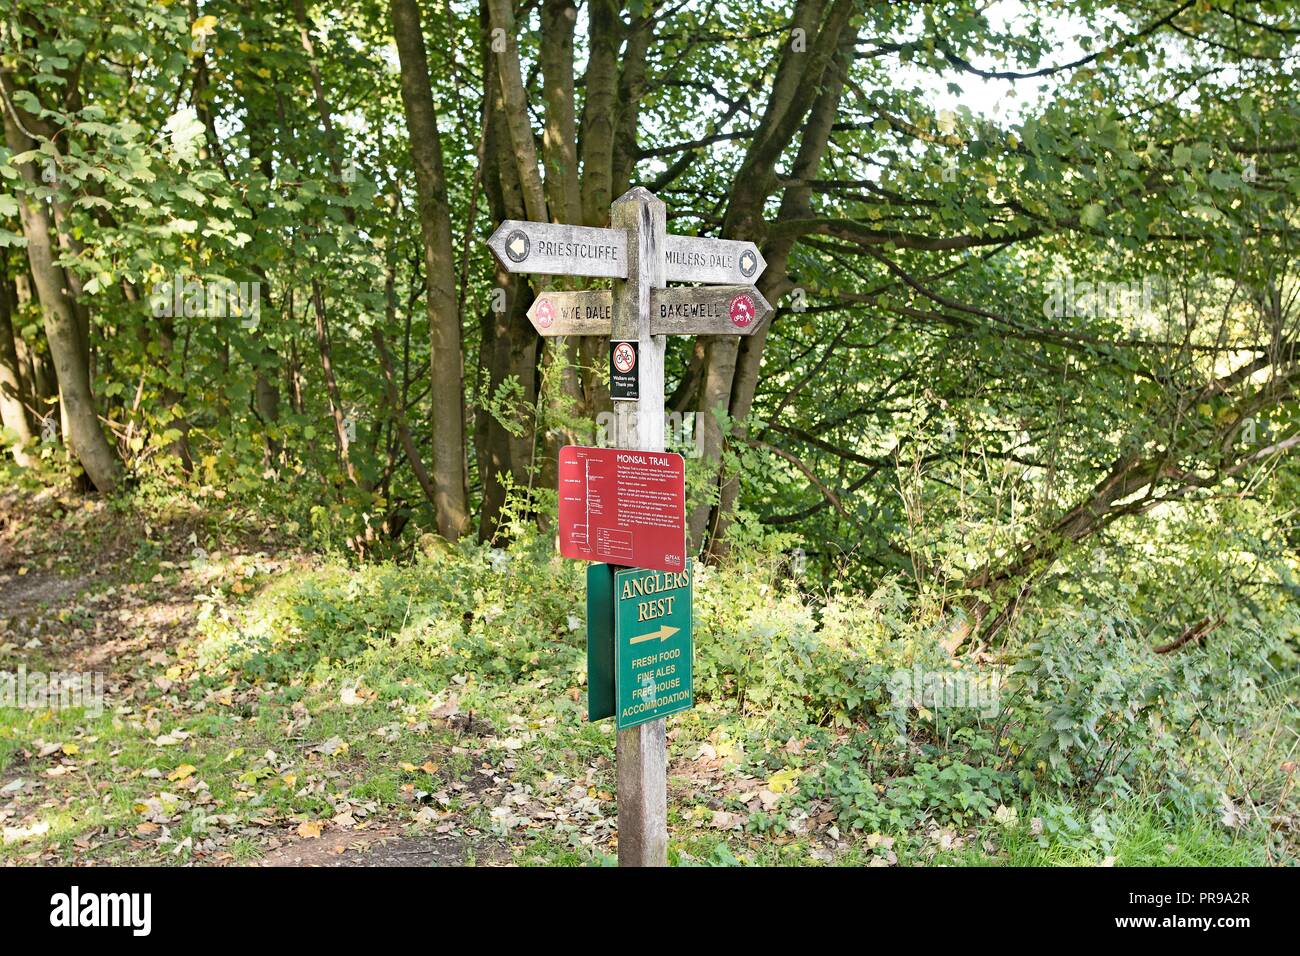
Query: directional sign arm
<point x="708" y="310"/>
<point x="552" y="249"/>
<point x="573" y="313"/>
<point x="697" y="259"/>
<point x="683" y="310"/>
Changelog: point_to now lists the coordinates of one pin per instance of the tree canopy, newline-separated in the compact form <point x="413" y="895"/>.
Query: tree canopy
<point x="1034" y="266"/>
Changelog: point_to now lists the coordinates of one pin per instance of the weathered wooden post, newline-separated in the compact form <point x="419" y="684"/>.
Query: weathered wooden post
<point x="642" y="751"/>
<point x="635" y="527"/>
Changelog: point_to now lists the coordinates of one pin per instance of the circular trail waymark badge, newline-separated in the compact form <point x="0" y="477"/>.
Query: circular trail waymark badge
<point x="747" y="264"/>
<point x="624" y="357"/>
<point x="545" y="313"/>
<point x="518" y="245"/>
<point x="742" y="311"/>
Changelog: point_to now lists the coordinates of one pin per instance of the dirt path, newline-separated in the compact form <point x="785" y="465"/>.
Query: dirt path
<point x="382" y="847"/>
<point x="86" y="589"/>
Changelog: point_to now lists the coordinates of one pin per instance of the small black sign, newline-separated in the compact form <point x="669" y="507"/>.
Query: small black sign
<point x="624" y="377"/>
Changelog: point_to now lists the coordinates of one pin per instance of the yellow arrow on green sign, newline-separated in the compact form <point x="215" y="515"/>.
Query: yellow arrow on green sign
<point x="663" y="633"/>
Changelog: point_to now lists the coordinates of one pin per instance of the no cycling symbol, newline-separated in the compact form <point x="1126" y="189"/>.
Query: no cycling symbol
<point x="624" y="357"/>
<point x="624" y="383"/>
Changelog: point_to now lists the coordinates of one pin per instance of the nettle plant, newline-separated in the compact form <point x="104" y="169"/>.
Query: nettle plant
<point x="1103" y="711"/>
<point x="828" y="659"/>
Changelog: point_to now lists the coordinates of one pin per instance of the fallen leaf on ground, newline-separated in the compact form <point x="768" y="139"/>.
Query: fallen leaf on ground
<point x="723" y="820"/>
<point x="18" y="834"/>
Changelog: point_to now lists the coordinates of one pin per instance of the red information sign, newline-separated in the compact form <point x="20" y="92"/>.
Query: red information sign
<point x="623" y="507"/>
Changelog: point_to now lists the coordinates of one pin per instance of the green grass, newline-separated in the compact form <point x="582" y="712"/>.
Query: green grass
<point x="1137" y="833"/>
<point x="375" y="657"/>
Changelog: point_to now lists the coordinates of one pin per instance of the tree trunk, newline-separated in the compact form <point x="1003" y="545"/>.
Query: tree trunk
<point x="266" y="372"/>
<point x="797" y="83"/>
<point x="446" y="363"/>
<point x="15" y="396"/>
<point x="36" y="361"/>
<point x="342" y="441"/>
<point x="600" y="114"/>
<point x="515" y="115"/>
<point x="509" y="346"/>
<point x="560" y="139"/>
<point x="598" y="111"/>
<point x="631" y="87"/>
<point x="62" y="328"/>
<point x="796" y="203"/>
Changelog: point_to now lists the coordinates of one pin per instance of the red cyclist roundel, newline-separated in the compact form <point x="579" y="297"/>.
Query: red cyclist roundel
<point x="742" y="311"/>
<point x="545" y="313"/>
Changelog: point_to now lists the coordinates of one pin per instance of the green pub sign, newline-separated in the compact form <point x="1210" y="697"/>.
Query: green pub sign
<point x="643" y="670"/>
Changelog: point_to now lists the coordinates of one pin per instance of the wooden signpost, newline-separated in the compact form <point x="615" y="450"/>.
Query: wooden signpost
<point x="635" y="315"/>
